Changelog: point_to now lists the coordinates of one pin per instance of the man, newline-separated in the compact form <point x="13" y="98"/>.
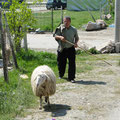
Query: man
<point x="66" y="32"/>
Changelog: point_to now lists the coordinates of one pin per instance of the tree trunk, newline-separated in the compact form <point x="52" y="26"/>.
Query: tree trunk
<point x="5" y="70"/>
<point x="11" y="44"/>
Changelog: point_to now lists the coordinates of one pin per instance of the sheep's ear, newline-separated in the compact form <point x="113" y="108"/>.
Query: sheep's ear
<point x="46" y="77"/>
<point x="36" y="77"/>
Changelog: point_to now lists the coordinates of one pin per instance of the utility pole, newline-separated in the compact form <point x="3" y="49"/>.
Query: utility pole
<point x="117" y="25"/>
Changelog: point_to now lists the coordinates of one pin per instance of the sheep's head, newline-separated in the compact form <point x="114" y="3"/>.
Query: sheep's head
<point x="40" y="79"/>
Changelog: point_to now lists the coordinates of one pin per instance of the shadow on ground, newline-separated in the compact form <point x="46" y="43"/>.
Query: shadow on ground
<point x="57" y="109"/>
<point x="91" y="82"/>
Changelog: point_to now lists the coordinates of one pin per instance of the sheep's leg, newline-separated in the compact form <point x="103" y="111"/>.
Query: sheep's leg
<point x="40" y="102"/>
<point x="47" y="101"/>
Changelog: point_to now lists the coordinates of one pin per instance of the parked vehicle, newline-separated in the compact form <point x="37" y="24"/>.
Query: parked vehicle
<point x="56" y="4"/>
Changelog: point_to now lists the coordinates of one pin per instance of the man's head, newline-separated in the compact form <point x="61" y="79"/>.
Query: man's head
<point x="67" y="21"/>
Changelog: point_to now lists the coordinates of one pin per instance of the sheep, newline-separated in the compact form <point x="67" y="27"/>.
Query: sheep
<point x="43" y="82"/>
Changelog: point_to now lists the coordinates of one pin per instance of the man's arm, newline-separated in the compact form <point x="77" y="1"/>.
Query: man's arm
<point x="57" y="37"/>
<point x="76" y="39"/>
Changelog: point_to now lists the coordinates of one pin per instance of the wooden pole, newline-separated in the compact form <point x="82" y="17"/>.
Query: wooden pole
<point x="61" y="14"/>
<point x="5" y="70"/>
<point x="88" y="52"/>
<point x="11" y="44"/>
<point x="25" y="42"/>
<point x="25" y="36"/>
<point x="52" y="19"/>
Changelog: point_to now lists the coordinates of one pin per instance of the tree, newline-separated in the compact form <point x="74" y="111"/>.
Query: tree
<point x="111" y="6"/>
<point x="19" y="17"/>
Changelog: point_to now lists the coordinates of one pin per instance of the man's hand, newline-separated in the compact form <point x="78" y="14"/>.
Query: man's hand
<point x="62" y="39"/>
<point x="75" y="45"/>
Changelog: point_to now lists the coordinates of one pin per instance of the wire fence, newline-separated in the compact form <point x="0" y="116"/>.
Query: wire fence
<point x="43" y="17"/>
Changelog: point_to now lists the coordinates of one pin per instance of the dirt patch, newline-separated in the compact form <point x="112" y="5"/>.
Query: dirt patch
<point x="94" y="96"/>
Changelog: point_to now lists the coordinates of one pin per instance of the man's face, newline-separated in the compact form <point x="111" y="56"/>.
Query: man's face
<point x="66" y="22"/>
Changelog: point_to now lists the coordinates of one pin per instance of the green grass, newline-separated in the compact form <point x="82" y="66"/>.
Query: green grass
<point x="79" y="18"/>
<point x="16" y="96"/>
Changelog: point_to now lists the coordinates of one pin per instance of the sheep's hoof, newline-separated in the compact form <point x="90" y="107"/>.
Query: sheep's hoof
<point x="40" y="108"/>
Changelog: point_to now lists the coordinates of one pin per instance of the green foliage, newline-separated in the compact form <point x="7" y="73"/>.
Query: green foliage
<point x="19" y="17"/>
<point x="44" y="19"/>
<point x="93" y="50"/>
<point x="111" y="6"/>
<point x="86" y="52"/>
<point x="18" y="95"/>
<point x="31" y="59"/>
<point x="15" y="96"/>
<point x="80" y="52"/>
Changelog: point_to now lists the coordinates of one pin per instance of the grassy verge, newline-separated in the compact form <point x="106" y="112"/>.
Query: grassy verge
<point x="79" y="18"/>
<point x="17" y="96"/>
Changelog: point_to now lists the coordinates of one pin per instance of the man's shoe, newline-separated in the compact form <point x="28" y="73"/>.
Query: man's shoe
<point x="72" y="81"/>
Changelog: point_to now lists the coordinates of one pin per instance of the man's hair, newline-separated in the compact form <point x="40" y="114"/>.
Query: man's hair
<point x="68" y="17"/>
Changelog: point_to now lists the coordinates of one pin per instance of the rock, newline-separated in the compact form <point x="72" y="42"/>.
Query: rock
<point x="92" y="26"/>
<point x="38" y="31"/>
<point x="107" y="17"/>
<point x="100" y="24"/>
<point x="24" y="76"/>
<point x="110" y="48"/>
<point x="82" y="46"/>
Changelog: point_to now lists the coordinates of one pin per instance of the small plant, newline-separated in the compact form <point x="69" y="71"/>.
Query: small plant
<point x="93" y="50"/>
<point x="80" y="52"/>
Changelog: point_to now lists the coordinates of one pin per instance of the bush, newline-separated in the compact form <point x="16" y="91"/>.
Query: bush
<point x="93" y="50"/>
<point x="90" y="51"/>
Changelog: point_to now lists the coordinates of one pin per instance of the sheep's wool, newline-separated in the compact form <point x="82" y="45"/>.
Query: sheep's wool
<point x="48" y="86"/>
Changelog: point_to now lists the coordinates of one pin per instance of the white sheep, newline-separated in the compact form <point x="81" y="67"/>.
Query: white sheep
<point x="43" y="83"/>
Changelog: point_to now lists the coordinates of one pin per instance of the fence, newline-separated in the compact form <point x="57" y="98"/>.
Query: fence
<point x="43" y="17"/>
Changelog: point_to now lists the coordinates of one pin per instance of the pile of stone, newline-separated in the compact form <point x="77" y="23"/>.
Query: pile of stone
<point x="110" y="48"/>
<point x="99" y="24"/>
<point x="107" y="17"/>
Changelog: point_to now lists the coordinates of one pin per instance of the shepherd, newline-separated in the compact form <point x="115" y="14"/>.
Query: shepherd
<point x="65" y="50"/>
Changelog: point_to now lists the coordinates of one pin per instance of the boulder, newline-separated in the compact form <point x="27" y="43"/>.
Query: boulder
<point x="110" y="48"/>
<point x="99" y="24"/>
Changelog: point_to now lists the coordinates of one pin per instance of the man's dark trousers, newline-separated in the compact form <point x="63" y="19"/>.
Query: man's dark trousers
<point x="67" y="53"/>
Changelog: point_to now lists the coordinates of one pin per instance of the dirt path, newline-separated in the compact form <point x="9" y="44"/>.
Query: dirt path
<point x="94" y="96"/>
